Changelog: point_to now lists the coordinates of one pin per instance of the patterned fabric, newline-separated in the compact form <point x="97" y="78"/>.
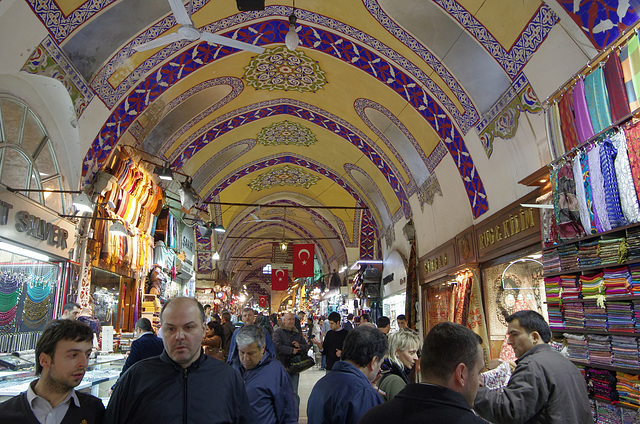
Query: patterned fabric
<point x="581" y="110"/>
<point x="597" y="96"/>
<point x="567" y="122"/>
<point x="555" y="143"/>
<point x="634" y="66"/>
<point x="569" y="212"/>
<point x="555" y="196"/>
<point x="625" y="63"/>
<point x="557" y="128"/>
<point x="614" y="78"/>
<point x="597" y="189"/>
<point x="585" y="218"/>
<point x="586" y="181"/>
<point x="612" y="197"/>
<point x="628" y="197"/>
<point x="633" y="149"/>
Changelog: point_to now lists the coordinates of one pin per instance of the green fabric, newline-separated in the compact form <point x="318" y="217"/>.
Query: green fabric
<point x="391" y="385"/>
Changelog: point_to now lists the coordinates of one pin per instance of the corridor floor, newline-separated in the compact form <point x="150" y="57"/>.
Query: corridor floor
<point x="307" y="380"/>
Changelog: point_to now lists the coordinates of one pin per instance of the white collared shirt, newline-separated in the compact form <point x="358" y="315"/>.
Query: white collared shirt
<point x="42" y="409"/>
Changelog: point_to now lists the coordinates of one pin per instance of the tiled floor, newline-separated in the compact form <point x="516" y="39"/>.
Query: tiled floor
<point x="307" y="380"/>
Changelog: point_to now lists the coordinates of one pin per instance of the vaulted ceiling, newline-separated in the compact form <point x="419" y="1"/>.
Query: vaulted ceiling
<point x="389" y="110"/>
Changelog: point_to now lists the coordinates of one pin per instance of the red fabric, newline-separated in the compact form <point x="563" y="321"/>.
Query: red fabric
<point x="303" y="260"/>
<point x="567" y="122"/>
<point x="614" y="78"/>
<point x="279" y="279"/>
<point x="633" y="149"/>
<point x="262" y="302"/>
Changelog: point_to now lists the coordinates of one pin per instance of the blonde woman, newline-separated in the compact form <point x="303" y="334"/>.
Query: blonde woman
<point x="403" y="354"/>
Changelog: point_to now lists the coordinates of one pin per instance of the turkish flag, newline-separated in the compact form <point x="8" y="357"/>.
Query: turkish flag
<point x="303" y="260"/>
<point x="262" y="302"/>
<point x="279" y="279"/>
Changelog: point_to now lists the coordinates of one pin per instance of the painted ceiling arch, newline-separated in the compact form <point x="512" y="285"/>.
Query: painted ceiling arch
<point x="402" y="99"/>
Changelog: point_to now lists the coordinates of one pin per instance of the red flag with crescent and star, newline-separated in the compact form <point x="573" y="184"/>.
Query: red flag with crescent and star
<point x="279" y="279"/>
<point x="263" y="301"/>
<point x="303" y="260"/>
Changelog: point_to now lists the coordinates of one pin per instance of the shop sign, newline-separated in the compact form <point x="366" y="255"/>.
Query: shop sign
<point x="438" y="261"/>
<point x="188" y="244"/>
<point x="31" y="224"/>
<point x="513" y="226"/>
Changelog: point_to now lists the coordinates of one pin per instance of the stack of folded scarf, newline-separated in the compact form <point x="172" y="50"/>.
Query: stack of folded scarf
<point x="617" y="281"/>
<point x="634" y="270"/>
<point x="574" y="315"/>
<point x="592" y="286"/>
<point x="588" y="253"/>
<point x="608" y="413"/>
<point x="552" y="289"/>
<point x="595" y="316"/>
<point x="554" y="311"/>
<point x="577" y="347"/>
<point x="551" y="261"/>
<point x="625" y="351"/>
<point x="599" y="349"/>
<point x="613" y="251"/>
<point x="628" y="388"/>
<point x="602" y="384"/>
<point x="633" y="243"/>
<point x="568" y="256"/>
<point x="620" y="316"/>
<point x="570" y="287"/>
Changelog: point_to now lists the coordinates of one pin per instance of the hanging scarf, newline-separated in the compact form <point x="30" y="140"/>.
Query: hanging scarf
<point x="614" y="78"/>
<point x="597" y="100"/>
<point x="581" y="110"/>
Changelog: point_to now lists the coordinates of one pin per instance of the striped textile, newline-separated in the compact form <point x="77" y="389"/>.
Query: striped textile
<point x="630" y="60"/>
<point x="567" y="123"/>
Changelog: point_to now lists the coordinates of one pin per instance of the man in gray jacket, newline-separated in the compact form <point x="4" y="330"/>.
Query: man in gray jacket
<point x="544" y="388"/>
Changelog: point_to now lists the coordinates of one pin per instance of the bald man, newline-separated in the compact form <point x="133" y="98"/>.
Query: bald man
<point x="289" y="342"/>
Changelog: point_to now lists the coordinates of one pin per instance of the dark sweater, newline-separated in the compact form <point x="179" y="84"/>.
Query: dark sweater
<point x="17" y="410"/>
<point x="333" y="341"/>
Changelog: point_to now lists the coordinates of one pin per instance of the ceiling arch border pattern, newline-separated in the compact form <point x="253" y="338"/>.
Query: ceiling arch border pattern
<point x="203" y="245"/>
<point x="277" y="107"/>
<point x="368" y="236"/>
<point x="213" y="165"/>
<point x="512" y="60"/>
<point x="350" y="168"/>
<point x="279" y="159"/>
<point x="149" y="89"/>
<point x="236" y="85"/>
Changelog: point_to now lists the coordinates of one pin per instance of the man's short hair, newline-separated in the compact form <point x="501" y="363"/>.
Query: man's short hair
<point x="532" y="321"/>
<point x="195" y="301"/>
<point x="383" y="322"/>
<point x="70" y="306"/>
<point x="246" y="310"/>
<point x="144" y="324"/>
<point x="402" y="340"/>
<point x="302" y="312"/>
<point x="349" y="317"/>
<point x="447" y="345"/>
<point x="362" y="344"/>
<point x="250" y="334"/>
<point x="334" y="317"/>
<point x="207" y="306"/>
<point x="366" y="317"/>
<point x="226" y="316"/>
<point x="60" y="329"/>
<point x="402" y="317"/>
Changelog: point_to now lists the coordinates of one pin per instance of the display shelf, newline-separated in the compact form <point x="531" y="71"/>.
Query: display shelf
<point x="606" y="367"/>
<point x="591" y="268"/>
<point x="632" y="408"/>
<point x="590" y="237"/>
<point x="607" y="299"/>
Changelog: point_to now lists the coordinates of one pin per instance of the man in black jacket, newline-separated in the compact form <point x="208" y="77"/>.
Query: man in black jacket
<point x="450" y="382"/>
<point x="331" y="346"/>
<point x="62" y="356"/>
<point x="169" y="388"/>
<point x="289" y="342"/>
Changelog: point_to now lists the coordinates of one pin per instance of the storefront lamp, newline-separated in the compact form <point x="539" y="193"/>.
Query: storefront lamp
<point x="118" y="229"/>
<point x="82" y="203"/>
<point x="23" y="252"/>
<point x="215" y="256"/>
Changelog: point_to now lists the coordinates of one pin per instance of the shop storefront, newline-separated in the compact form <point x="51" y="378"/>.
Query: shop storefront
<point x="35" y="274"/>
<point x="394" y="288"/>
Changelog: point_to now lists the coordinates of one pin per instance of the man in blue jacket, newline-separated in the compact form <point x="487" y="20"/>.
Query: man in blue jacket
<point x="267" y="383"/>
<point x="169" y="388"/>
<point x="145" y="346"/>
<point x="249" y="318"/>
<point x="345" y="394"/>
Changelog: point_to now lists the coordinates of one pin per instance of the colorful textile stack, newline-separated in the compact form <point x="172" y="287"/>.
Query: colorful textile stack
<point x="628" y="388"/>
<point x="595" y="316"/>
<point x="617" y="281"/>
<point x="634" y="270"/>
<point x="577" y="347"/>
<point x="592" y="286"/>
<point x="629" y="416"/>
<point x="552" y="289"/>
<point x="574" y="315"/>
<point x="570" y="287"/>
<point x="613" y="251"/>
<point x="633" y="243"/>
<point x="625" y="351"/>
<point x="636" y="313"/>
<point x="551" y="261"/>
<point x="599" y="349"/>
<point x="602" y="385"/>
<point x="594" y="409"/>
<point x="607" y="413"/>
<point x="620" y="316"/>
<point x="568" y="257"/>
<point x="554" y="310"/>
<point x="588" y="254"/>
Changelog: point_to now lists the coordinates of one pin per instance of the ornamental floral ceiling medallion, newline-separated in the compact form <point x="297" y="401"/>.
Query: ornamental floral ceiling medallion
<point x="285" y="132"/>
<point x="281" y="69"/>
<point x="285" y="175"/>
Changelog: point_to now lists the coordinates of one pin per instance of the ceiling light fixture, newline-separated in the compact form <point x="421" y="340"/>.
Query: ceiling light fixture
<point x="164" y="172"/>
<point x="219" y="229"/>
<point x="215" y="256"/>
<point x="188" y="195"/>
<point x="118" y="229"/>
<point x="82" y="203"/>
<point x="23" y="252"/>
<point x="291" y="40"/>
